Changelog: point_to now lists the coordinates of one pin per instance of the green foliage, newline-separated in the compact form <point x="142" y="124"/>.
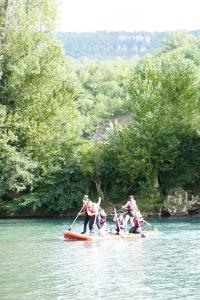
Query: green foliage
<point x="104" y="91"/>
<point x="164" y="98"/>
<point x="60" y="190"/>
<point x="148" y="197"/>
<point x="17" y="171"/>
<point x="34" y="87"/>
<point x="164" y="101"/>
<point x="177" y="39"/>
<point x="38" y="115"/>
<point x="187" y="163"/>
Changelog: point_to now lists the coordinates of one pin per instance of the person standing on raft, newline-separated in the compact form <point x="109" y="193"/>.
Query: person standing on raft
<point x="90" y="211"/>
<point x="131" y="208"/>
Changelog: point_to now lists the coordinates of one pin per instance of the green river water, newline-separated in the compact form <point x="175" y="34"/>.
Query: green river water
<point x="36" y="262"/>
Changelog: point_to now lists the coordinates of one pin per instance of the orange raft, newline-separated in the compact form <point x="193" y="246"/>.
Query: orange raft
<point x="76" y="236"/>
<point x="80" y="237"/>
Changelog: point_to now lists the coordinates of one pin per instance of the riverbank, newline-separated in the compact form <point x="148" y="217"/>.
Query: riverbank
<point x="73" y="214"/>
<point x="178" y="203"/>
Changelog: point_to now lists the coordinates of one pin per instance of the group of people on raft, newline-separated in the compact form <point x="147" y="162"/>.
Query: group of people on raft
<point x="94" y="214"/>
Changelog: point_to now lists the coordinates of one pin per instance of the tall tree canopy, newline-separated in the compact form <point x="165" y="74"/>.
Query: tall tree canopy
<point x="36" y="97"/>
<point x="164" y="101"/>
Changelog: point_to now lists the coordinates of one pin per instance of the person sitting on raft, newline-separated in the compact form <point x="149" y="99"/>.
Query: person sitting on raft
<point x="120" y="224"/>
<point x="138" y="224"/>
<point x="131" y="208"/>
<point x="89" y="211"/>
<point x="101" y="220"/>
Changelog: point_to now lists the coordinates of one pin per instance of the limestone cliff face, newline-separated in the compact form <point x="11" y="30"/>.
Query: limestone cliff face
<point x="113" y="44"/>
<point x="179" y="202"/>
<point x="101" y="133"/>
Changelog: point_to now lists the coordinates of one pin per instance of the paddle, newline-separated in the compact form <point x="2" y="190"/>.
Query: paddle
<point x="152" y="226"/>
<point x="70" y="227"/>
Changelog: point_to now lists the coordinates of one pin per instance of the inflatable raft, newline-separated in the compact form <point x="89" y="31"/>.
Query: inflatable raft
<point x="76" y="236"/>
<point x="70" y="235"/>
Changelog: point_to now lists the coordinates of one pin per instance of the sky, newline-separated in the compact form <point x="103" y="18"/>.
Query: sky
<point x="129" y="15"/>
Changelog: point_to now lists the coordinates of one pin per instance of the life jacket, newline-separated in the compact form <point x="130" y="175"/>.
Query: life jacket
<point x="131" y="207"/>
<point x="138" y="222"/>
<point x="84" y="210"/>
<point x="91" y="209"/>
<point x="102" y="219"/>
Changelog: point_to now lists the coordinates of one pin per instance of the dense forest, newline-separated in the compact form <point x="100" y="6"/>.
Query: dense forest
<point x="103" y="45"/>
<point x="51" y="106"/>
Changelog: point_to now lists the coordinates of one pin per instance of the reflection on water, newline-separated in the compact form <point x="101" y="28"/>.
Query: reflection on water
<point x="37" y="263"/>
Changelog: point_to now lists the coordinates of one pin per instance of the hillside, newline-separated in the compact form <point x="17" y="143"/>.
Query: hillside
<point x="105" y="45"/>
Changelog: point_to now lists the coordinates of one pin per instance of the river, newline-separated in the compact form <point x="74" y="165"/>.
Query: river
<point x="37" y="263"/>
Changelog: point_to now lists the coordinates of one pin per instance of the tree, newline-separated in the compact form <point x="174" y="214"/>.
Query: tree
<point x="177" y="39"/>
<point x="36" y="94"/>
<point x="164" y="100"/>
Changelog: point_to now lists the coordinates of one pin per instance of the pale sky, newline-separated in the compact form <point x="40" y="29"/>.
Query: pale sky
<point x="129" y="15"/>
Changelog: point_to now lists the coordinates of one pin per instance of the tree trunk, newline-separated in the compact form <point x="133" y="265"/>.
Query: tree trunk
<point x="155" y="179"/>
<point x="98" y="187"/>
